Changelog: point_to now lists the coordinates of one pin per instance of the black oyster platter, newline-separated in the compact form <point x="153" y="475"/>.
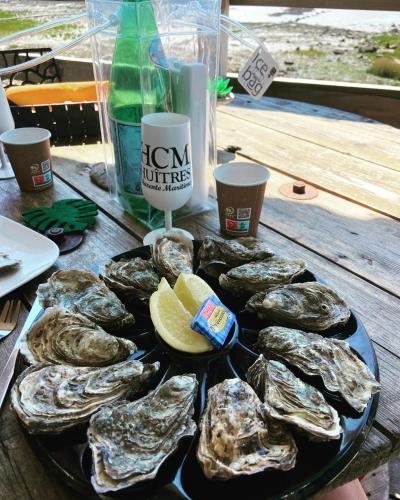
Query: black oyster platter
<point x="180" y="475"/>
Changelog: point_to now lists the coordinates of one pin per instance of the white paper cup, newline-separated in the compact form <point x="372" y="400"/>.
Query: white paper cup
<point x="166" y="160"/>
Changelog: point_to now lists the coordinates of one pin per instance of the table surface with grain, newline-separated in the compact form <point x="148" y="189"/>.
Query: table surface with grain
<point x="349" y="235"/>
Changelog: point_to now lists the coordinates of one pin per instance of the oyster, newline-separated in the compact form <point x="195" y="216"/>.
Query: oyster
<point x="135" y="278"/>
<point x="172" y="254"/>
<point x="83" y="292"/>
<point x="7" y="262"/>
<point x="237" y="438"/>
<point x="248" y="279"/>
<point x="62" y="337"/>
<point x="304" y="305"/>
<point x="289" y="399"/>
<point x="51" y="398"/>
<point x="331" y="359"/>
<point x="130" y="441"/>
<point x="218" y="255"/>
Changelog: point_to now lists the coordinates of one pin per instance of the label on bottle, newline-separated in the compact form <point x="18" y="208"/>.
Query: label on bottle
<point x="126" y="139"/>
<point x="258" y="73"/>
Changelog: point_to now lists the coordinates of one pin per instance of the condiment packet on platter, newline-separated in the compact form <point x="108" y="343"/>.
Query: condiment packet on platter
<point x="214" y="321"/>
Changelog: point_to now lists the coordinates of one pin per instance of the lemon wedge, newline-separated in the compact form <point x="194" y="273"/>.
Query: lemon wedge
<point x="192" y="291"/>
<point x="172" y="321"/>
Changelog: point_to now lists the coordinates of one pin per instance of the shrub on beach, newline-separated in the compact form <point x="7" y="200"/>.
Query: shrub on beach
<point x="386" y="68"/>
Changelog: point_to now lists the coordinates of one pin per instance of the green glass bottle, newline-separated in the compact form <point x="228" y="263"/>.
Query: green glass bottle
<point x="136" y="85"/>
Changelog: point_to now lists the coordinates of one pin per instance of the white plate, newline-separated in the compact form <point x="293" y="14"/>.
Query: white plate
<point x="36" y="252"/>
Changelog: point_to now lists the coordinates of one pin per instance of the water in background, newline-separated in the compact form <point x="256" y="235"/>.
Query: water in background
<point x="368" y="21"/>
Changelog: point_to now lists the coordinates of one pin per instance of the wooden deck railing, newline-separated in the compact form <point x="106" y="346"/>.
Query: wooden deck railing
<point x="380" y="102"/>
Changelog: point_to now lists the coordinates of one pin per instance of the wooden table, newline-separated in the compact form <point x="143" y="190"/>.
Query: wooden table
<point x="349" y="235"/>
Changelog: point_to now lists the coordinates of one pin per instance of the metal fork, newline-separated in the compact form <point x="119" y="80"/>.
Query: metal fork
<point x="9" y="317"/>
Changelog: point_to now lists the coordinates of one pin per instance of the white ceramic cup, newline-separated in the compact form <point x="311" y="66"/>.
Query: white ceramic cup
<point x="167" y="182"/>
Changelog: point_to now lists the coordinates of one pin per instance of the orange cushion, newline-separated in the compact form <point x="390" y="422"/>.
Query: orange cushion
<point x="52" y="93"/>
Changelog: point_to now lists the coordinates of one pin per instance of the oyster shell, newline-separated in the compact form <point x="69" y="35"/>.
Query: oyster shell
<point x="51" y="398"/>
<point x="237" y="438"/>
<point x="130" y="441"/>
<point x="289" y="399"/>
<point x="172" y="254"/>
<point x="218" y="255"/>
<point x="305" y="305"/>
<point x="135" y="278"/>
<point x="83" y="292"/>
<point x="331" y="359"/>
<point x="7" y="262"/>
<point x="248" y="279"/>
<point x="62" y="337"/>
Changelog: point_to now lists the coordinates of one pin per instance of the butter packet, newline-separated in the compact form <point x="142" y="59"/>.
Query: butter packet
<point x="214" y="321"/>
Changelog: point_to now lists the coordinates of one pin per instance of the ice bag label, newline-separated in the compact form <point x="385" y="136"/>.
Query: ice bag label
<point x="258" y="73"/>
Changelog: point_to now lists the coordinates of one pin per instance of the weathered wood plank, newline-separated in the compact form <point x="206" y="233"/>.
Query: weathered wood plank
<point x="357" y="232"/>
<point x="388" y="414"/>
<point x="334" y="129"/>
<point x="22" y="475"/>
<point x="102" y="241"/>
<point x="376" y="450"/>
<point x="367" y="183"/>
<point x="379" y="102"/>
<point x="376" y="483"/>
<point x="7" y="343"/>
<point x="394" y="477"/>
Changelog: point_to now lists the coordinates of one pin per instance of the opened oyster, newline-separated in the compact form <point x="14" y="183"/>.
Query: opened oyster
<point x="130" y="441"/>
<point x="135" y="278"/>
<point x="305" y="305"/>
<point x="289" y="399"/>
<point x="83" y="292"/>
<point x="237" y="438"/>
<point x="7" y="262"/>
<point x="248" y="279"/>
<point x="172" y="254"/>
<point x="51" y="398"/>
<point x="62" y="337"/>
<point x="332" y="359"/>
<point x="218" y="256"/>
